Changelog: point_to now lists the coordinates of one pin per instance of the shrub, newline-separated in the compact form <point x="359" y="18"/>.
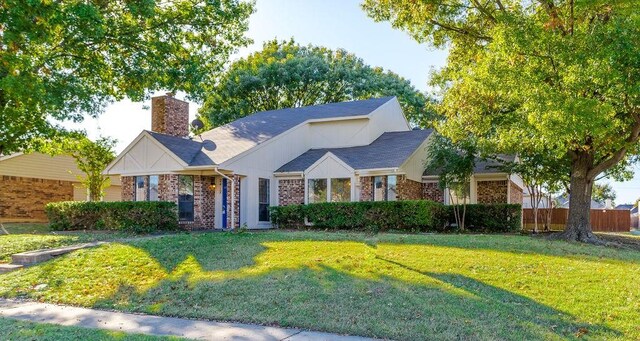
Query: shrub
<point x="419" y="215"/>
<point x="493" y="218"/>
<point x="414" y="216"/>
<point x="129" y="216"/>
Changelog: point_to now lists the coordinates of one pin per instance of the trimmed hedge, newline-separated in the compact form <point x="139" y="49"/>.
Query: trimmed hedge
<point x="413" y="216"/>
<point x="128" y="216"/>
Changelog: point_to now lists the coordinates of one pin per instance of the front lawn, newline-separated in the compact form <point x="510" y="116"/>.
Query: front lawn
<point x="21" y="330"/>
<point x="28" y="237"/>
<point x="389" y="286"/>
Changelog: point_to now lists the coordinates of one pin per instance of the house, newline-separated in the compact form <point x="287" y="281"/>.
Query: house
<point x="230" y="175"/>
<point x="562" y="201"/>
<point x="489" y="184"/>
<point x="29" y="181"/>
<point x="633" y="211"/>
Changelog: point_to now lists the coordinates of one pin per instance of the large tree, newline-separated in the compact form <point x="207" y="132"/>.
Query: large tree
<point x="62" y="59"/>
<point x="521" y="75"/>
<point x="287" y="75"/>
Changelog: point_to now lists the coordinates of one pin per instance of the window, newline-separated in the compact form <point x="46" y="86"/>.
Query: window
<point x="341" y="190"/>
<point x="317" y="190"/>
<point x="263" y="199"/>
<point x="139" y="191"/>
<point x="185" y="197"/>
<point x="379" y="190"/>
<point x="153" y="187"/>
<point x="392" y="188"/>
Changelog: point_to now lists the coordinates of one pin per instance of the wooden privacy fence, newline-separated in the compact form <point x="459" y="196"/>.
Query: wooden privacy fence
<point x="601" y="220"/>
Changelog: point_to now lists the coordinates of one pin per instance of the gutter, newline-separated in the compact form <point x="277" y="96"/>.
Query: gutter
<point x="233" y="198"/>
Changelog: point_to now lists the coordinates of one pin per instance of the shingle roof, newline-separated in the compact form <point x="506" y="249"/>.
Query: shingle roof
<point x="483" y="165"/>
<point x="390" y="150"/>
<point x="225" y="142"/>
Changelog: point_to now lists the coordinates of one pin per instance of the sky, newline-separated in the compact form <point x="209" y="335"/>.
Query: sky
<point x="330" y="23"/>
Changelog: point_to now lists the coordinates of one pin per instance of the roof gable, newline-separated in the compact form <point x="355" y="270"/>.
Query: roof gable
<point x="390" y="150"/>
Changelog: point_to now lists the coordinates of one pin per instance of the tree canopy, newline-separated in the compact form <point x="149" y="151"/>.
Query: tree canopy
<point x="286" y="75"/>
<point x="60" y="60"/>
<point x="557" y="77"/>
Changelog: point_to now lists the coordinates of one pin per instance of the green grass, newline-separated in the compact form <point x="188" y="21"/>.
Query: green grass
<point x="21" y="330"/>
<point x="403" y="287"/>
<point x="27" y="237"/>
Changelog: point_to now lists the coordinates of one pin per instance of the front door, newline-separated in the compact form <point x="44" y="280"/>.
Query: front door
<point x="224" y="203"/>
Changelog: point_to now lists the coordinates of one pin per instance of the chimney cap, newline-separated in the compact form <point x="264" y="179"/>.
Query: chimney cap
<point x="169" y="94"/>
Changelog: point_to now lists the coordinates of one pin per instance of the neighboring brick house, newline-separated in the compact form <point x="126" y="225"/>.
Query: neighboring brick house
<point x="230" y="175"/>
<point x="29" y="181"/>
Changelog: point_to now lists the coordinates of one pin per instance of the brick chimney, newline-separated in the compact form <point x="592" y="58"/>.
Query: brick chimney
<point x="170" y="115"/>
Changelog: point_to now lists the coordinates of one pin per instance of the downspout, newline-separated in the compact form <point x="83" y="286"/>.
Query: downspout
<point x="233" y="197"/>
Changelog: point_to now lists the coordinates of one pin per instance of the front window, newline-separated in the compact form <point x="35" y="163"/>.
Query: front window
<point x="263" y="199"/>
<point x="139" y="192"/>
<point x="392" y="188"/>
<point x="185" y="197"/>
<point x="317" y="190"/>
<point x="341" y="190"/>
<point x="379" y="189"/>
<point x="153" y="187"/>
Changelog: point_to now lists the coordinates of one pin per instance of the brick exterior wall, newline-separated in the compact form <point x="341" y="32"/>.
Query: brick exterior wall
<point x="516" y="193"/>
<point x="127" y="188"/>
<point x="409" y="189"/>
<point x="492" y="192"/>
<point x="170" y="116"/>
<point x="366" y="188"/>
<point x="25" y="198"/>
<point x="432" y="191"/>
<point x="203" y="197"/>
<point x="290" y="192"/>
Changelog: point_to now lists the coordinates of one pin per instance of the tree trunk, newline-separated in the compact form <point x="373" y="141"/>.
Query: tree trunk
<point x="578" y="224"/>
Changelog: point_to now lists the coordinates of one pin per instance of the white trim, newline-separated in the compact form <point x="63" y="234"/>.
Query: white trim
<point x="326" y="156"/>
<point x="11" y="156"/>
<point x="289" y="175"/>
<point x="144" y="133"/>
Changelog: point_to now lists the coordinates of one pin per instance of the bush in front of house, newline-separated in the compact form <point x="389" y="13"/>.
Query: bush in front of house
<point x="411" y="216"/>
<point x="375" y="216"/>
<point x="127" y="216"/>
<point x="490" y="218"/>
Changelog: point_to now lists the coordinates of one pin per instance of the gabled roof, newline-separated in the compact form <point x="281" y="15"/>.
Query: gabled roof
<point x="390" y="150"/>
<point x="220" y="144"/>
<point x="482" y="166"/>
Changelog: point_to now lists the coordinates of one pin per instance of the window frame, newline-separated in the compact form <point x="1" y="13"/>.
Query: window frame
<point x="182" y="202"/>
<point x="261" y="183"/>
<point x="330" y="190"/>
<point x="388" y="188"/>
<point x="136" y="188"/>
<point x="309" y="190"/>
<point x="157" y="185"/>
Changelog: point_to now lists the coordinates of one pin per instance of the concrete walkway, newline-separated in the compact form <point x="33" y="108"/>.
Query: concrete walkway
<point x="156" y="325"/>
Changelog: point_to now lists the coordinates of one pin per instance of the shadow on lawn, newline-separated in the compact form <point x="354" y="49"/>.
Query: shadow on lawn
<point x="337" y="286"/>
<point x="512" y="314"/>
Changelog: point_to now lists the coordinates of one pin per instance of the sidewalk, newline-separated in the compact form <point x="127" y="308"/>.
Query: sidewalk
<point x="156" y="325"/>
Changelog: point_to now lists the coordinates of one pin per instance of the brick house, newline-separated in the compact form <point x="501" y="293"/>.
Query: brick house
<point x="30" y="181"/>
<point x="230" y="175"/>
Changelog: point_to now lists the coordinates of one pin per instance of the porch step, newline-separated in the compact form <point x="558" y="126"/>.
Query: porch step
<point x="38" y="256"/>
<point x="9" y="267"/>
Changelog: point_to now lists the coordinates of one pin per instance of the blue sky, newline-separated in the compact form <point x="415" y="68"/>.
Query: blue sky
<point x="330" y="23"/>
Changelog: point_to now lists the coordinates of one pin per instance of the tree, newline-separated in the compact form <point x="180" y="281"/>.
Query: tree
<point x="91" y="159"/>
<point x="603" y="192"/>
<point x="560" y="75"/>
<point x="62" y="59"/>
<point x="454" y="163"/>
<point x="287" y="75"/>
<point x="543" y="175"/>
